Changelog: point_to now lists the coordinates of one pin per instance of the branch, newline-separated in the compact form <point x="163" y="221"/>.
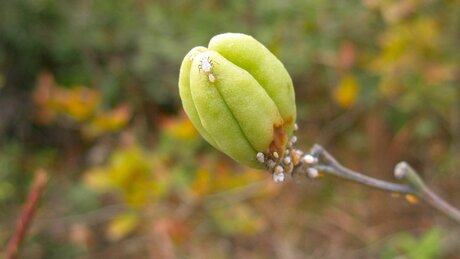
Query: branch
<point x="321" y="160"/>
<point x="27" y="214"/>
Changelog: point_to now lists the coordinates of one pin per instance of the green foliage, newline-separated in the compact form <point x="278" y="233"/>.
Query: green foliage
<point x="427" y="246"/>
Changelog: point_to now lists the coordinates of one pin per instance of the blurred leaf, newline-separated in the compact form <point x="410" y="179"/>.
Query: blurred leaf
<point x="6" y="190"/>
<point x="41" y="96"/>
<point x="395" y="11"/>
<point x="78" y="102"/>
<point x="108" y="121"/>
<point x="437" y="74"/>
<point x="425" y="128"/>
<point x="80" y="199"/>
<point x="237" y="219"/>
<point x="347" y="55"/>
<point x="2" y="81"/>
<point x="96" y="178"/>
<point x="412" y="199"/>
<point x="82" y="104"/>
<point x="122" y="225"/>
<point x="427" y="246"/>
<point x="131" y="171"/>
<point x="346" y="93"/>
<point x="178" y="231"/>
<point x="180" y="128"/>
<point x="202" y="183"/>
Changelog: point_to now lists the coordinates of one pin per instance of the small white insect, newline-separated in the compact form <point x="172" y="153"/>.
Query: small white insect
<point x="206" y="66"/>
<point x="279" y="178"/>
<point x="271" y="164"/>
<point x="298" y="153"/>
<point x="309" y="159"/>
<point x="205" y="63"/>
<point x="278" y="169"/>
<point x="293" y="139"/>
<point x="211" y="78"/>
<point x="401" y="170"/>
<point x="275" y="155"/>
<point x="296" y="127"/>
<point x="312" y="172"/>
<point x="260" y="157"/>
<point x="287" y="160"/>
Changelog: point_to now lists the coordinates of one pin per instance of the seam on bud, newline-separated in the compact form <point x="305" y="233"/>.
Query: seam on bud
<point x="236" y="121"/>
<point x="206" y="96"/>
<point x="207" y="134"/>
<point x="221" y="44"/>
<point x="247" y="128"/>
<point x="186" y="96"/>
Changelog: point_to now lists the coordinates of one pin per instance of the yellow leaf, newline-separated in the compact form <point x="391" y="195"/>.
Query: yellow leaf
<point x="238" y="219"/>
<point x="41" y="97"/>
<point x="97" y="179"/>
<point x="79" y="103"/>
<point x="346" y="93"/>
<point x="201" y="185"/>
<point x="180" y="128"/>
<point x="122" y="225"/>
<point x="130" y="173"/>
<point x="411" y="198"/>
<point x="390" y="87"/>
<point x="109" y="121"/>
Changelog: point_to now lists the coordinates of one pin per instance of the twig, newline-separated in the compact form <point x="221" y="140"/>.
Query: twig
<point x="27" y="214"/>
<point x="327" y="164"/>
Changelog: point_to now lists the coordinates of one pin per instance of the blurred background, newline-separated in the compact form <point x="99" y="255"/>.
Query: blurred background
<point x="88" y="93"/>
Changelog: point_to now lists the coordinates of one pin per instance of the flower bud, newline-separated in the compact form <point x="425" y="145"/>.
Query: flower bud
<point x="239" y="96"/>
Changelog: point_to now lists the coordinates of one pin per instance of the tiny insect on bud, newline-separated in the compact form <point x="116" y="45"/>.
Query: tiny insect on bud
<point x="287" y="160"/>
<point x="260" y="157"/>
<point x="275" y="155"/>
<point x="312" y="172"/>
<point x="293" y="139"/>
<point x="296" y="127"/>
<point x="211" y="78"/>
<point x="309" y="159"/>
<point x="271" y="164"/>
<point x="279" y="178"/>
<point x="278" y="169"/>
<point x="400" y="170"/>
<point x="206" y="65"/>
<point x="299" y="153"/>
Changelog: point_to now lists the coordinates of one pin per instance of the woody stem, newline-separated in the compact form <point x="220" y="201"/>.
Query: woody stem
<point x="27" y="215"/>
<point x="327" y="164"/>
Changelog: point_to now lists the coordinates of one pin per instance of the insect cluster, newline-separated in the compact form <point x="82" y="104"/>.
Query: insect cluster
<point x="292" y="161"/>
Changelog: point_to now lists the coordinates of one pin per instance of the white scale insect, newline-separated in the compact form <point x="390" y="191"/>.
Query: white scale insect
<point x="206" y="66"/>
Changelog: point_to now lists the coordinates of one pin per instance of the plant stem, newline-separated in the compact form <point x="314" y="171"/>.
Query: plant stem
<point x="327" y="164"/>
<point x="27" y="215"/>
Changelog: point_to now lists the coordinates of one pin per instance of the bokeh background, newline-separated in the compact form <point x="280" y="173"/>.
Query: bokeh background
<point x="88" y="92"/>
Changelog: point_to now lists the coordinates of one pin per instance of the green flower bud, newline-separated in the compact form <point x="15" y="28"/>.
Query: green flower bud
<point x="239" y="96"/>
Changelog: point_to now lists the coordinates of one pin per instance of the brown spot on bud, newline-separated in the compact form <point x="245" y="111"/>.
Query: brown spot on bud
<point x="279" y="140"/>
<point x="288" y="121"/>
